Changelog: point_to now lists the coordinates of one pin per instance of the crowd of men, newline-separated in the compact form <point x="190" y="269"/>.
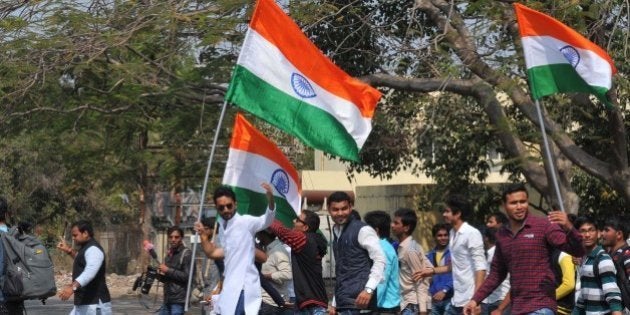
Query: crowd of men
<point x="519" y="263"/>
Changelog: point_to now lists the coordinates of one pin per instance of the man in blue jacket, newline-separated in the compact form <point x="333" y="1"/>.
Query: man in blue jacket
<point x="441" y="288"/>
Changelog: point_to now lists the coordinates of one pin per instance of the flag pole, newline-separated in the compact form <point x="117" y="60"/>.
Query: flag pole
<point x="551" y="163"/>
<point x="202" y="200"/>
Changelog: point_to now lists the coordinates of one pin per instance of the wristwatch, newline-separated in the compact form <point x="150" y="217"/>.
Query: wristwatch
<point x="369" y="290"/>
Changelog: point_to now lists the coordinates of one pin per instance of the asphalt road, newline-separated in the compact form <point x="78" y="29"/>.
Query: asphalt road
<point x="120" y="306"/>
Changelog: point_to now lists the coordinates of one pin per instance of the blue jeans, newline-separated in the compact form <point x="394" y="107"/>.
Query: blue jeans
<point x="410" y="309"/>
<point x="313" y="310"/>
<point x="172" y="309"/>
<point x="542" y="311"/>
<point x="240" y="305"/>
<point x="440" y="307"/>
<point x="453" y="310"/>
<point x="101" y="309"/>
<point x="348" y="311"/>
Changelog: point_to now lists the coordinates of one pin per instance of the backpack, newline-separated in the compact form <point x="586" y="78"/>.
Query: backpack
<point x="622" y="280"/>
<point x="28" y="270"/>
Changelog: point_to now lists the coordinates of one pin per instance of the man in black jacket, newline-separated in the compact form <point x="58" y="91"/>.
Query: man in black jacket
<point x="174" y="273"/>
<point x="89" y="286"/>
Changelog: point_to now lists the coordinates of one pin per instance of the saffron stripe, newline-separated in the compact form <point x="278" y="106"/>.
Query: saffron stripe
<point x="273" y="24"/>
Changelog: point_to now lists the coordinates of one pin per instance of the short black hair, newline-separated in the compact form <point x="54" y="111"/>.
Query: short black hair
<point x="440" y="226"/>
<point x="585" y="220"/>
<point x="223" y="191"/>
<point x="4" y="208"/>
<point x="500" y="217"/>
<point x="408" y="218"/>
<point x="338" y="196"/>
<point x="490" y="234"/>
<point x="266" y="235"/>
<point x="459" y="204"/>
<point x="618" y="224"/>
<point x="173" y="229"/>
<point x="379" y="219"/>
<point x="311" y="219"/>
<point x="208" y="222"/>
<point x="512" y="188"/>
<point x="84" y="226"/>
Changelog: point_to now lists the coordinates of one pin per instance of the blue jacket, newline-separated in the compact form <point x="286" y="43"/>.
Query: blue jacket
<point x="442" y="281"/>
<point x="388" y="291"/>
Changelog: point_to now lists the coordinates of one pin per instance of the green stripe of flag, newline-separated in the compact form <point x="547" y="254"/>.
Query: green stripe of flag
<point x="255" y="203"/>
<point x="549" y="79"/>
<point x="314" y="126"/>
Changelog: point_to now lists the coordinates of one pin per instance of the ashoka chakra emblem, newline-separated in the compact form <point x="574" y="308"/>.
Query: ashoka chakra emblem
<point x="301" y="86"/>
<point x="280" y="180"/>
<point x="572" y="55"/>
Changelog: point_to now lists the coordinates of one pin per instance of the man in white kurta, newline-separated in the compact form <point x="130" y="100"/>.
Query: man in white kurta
<point x="236" y="246"/>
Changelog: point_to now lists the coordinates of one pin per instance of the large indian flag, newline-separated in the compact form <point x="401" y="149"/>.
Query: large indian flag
<point x="254" y="159"/>
<point x="559" y="59"/>
<point x="284" y="79"/>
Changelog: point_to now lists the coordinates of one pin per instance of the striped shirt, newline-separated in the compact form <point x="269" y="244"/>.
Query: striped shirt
<point x="598" y="296"/>
<point x="525" y="255"/>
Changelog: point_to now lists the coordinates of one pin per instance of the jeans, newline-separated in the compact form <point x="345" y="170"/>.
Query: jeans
<point x="542" y="311"/>
<point x="92" y="309"/>
<point x="440" y="307"/>
<point x="268" y="309"/>
<point x="348" y="311"/>
<point x="487" y="308"/>
<point x="454" y="310"/>
<point x="313" y="310"/>
<point x="240" y="305"/>
<point x="410" y="309"/>
<point x="172" y="309"/>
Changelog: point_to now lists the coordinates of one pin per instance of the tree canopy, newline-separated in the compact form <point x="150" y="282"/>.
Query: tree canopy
<point x="106" y="102"/>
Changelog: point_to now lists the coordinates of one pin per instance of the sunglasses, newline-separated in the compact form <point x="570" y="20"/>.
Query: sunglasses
<point x="229" y="206"/>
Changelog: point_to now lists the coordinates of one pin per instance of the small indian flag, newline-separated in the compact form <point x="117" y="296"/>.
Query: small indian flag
<point x="253" y="160"/>
<point x="559" y="59"/>
<point x="284" y="79"/>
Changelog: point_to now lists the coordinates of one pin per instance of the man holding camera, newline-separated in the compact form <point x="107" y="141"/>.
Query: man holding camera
<point x="174" y="273"/>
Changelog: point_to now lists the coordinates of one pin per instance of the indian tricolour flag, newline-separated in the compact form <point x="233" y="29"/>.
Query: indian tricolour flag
<point x="253" y="160"/>
<point x="559" y="59"/>
<point x="284" y="79"/>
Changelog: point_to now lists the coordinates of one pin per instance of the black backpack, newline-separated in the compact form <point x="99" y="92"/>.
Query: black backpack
<point x="28" y="269"/>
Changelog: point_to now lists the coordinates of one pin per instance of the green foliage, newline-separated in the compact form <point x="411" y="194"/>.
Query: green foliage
<point x="447" y="135"/>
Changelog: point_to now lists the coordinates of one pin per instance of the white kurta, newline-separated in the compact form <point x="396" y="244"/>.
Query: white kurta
<point x="237" y="240"/>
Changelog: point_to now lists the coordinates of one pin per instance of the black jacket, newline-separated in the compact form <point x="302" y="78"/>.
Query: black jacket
<point x="96" y="289"/>
<point x="176" y="279"/>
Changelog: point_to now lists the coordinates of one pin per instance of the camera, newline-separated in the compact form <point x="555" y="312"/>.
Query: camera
<point x="145" y="281"/>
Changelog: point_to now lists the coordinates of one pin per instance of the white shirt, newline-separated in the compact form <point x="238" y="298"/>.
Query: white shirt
<point x="499" y="293"/>
<point x="467" y="257"/>
<point x="237" y="240"/>
<point x="279" y="266"/>
<point x="94" y="258"/>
